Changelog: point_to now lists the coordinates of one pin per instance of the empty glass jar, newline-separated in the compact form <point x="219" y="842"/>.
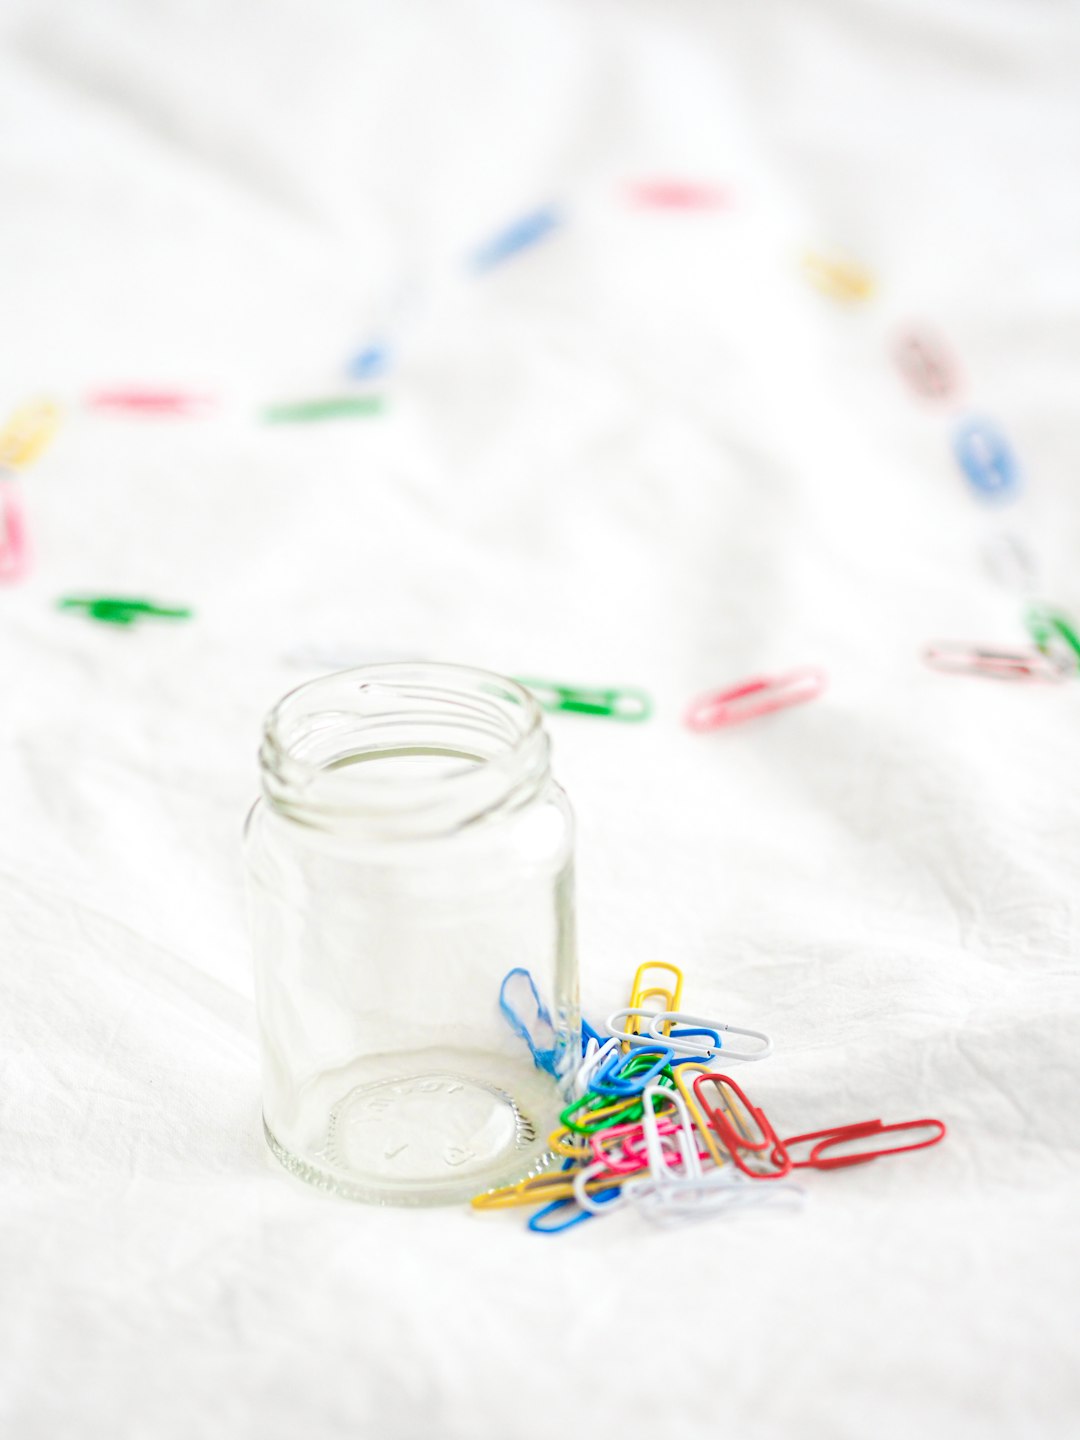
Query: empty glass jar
<point x="409" y="851"/>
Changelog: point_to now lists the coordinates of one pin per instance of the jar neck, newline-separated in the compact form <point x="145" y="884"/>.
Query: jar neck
<point x="403" y="750"/>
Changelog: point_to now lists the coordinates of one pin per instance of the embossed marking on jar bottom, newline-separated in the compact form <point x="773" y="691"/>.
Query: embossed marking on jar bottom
<point x="424" y="1128"/>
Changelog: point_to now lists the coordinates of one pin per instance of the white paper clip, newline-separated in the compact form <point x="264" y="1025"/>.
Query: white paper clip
<point x="690" y="1044"/>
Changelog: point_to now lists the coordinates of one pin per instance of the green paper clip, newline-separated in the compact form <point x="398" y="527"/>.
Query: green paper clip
<point x="334" y="407"/>
<point x="1050" y="630"/>
<point x="121" y="610"/>
<point x="628" y="705"/>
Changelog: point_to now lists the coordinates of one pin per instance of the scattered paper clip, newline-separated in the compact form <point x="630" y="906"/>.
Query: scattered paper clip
<point x="751" y="698"/>
<point x="926" y="365"/>
<point x="596" y="1052"/>
<point x="667" y="996"/>
<point x="680" y="1188"/>
<point x="678" y="195"/>
<point x="534" y="1026"/>
<point x="622" y="1076"/>
<point x="372" y="362"/>
<point x="614" y="704"/>
<point x="659" y="1131"/>
<point x="539" y="1189"/>
<point x="1023" y="665"/>
<point x="522" y="234"/>
<point x="745" y="1131"/>
<point x="987" y="460"/>
<point x="27" y="433"/>
<point x="839" y="279"/>
<point x="1055" y="635"/>
<point x="822" y="1140"/>
<point x="14" y="550"/>
<point x="150" y="402"/>
<point x="684" y="1034"/>
<point x="331" y="407"/>
<point x="121" y="610"/>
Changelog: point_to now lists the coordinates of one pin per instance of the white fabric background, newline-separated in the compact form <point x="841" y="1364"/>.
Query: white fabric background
<point x="646" y="453"/>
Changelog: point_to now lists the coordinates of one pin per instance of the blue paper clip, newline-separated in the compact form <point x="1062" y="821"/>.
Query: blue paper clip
<point x="683" y="1032"/>
<point x="610" y="1079"/>
<point x="587" y="1034"/>
<point x="526" y="231"/>
<point x="543" y="1055"/>
<point x="372" y="362"/>
<point x="537" y="1228"/>
<point x="986" y="459"/>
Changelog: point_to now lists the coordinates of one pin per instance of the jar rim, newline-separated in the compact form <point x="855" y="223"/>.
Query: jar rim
<point x="314" y="730"/>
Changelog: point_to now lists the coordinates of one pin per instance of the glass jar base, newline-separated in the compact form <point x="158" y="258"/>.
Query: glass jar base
<point x="425" y="1139"/>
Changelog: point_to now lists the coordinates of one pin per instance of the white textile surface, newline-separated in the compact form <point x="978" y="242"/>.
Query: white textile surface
<point x="644" y="452"/>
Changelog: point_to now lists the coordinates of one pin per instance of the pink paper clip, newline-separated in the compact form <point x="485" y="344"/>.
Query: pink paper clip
<point x="756" y="697"/>
<point x="678" y="195"/>
<point x="14" y="552"/>
<point x="150" y="402"/>
<point x="1022" y="665"/>
<point x="926" y="365"/>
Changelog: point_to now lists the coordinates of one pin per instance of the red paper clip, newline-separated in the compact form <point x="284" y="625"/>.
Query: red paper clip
<point x="996" y="664"/>
<point x="14" y="552"/>
<point x="926" y="365"/>
<point x="150" y="402"/>
<point x="822" y="1140"/>
<point x="772" y="692"/>
<point x="678" y="195"/>
<point x="729" y="1125"/>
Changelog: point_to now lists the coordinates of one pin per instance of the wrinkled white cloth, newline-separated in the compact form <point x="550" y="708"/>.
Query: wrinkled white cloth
<point x="645" y="452"/>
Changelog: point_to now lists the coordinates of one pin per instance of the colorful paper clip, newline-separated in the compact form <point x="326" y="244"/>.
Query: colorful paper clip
<point x="522" y="234"/>
<point x="27" y="433"/>
<point x="667" y="996"/>
<point x="838" y="279"/>
<point x="987" y="460"/>
<point x="537" y="1190"/>
<point x="679" y="1188"/>
<point x="751" y="698"/>
<point x="745" y="1130"/>
<point x="614" y="704"/>
<point x="677" y="195"/>
<point x="121" y="610"/>
<point x="534" y="1027"/>
<point x="822" y="1140"/>
<point x="14" y="551"/>
<point x="622" y="1076"/>
<point x="1055" y="635"/>
<point x="372" y="362"/>
<point x="1023" y="665"/>
<point x="150" y="402"/>
<point x="926" y="365"/>
<point x="332" y="407"/>
<point x="685" y="1077"/>
<point x="593" y="1112"/>
<point x="684" y="1034"/>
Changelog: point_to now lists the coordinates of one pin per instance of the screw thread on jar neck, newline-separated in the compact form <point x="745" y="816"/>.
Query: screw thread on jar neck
<point x="405" y="749"/>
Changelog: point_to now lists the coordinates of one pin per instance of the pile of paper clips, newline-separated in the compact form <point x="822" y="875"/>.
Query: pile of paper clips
<point x="655" y="1124"/>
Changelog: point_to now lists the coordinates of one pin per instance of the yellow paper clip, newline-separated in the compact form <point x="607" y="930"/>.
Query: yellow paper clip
<point x="640" y="992"/>
<point x="685" y="1085"/>
<point x="839" y="279"/>
<point x="27" y="433"/>
<point x="541" y="1190"/>
<point x="570" y="1144"/>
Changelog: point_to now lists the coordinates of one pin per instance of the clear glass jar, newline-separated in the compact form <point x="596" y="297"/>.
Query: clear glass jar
<point x="410" y="850"/>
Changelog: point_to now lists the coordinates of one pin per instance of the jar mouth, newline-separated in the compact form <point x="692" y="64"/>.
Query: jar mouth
<point x="404" y="746"/>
